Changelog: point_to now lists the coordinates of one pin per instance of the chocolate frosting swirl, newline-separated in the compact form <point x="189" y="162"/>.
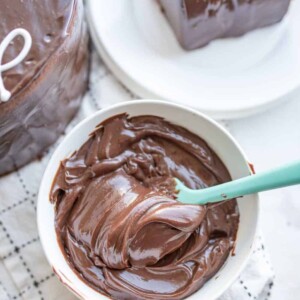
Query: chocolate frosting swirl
<point x="117" y="218"/>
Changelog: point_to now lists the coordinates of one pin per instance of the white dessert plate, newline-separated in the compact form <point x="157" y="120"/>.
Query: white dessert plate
<point x="229" y="78"/>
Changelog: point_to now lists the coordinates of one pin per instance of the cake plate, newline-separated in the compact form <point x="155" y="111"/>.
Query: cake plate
<point x="229" y="78"/>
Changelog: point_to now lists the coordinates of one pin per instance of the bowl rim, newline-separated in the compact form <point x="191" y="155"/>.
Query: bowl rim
<point x="126" y="104"/>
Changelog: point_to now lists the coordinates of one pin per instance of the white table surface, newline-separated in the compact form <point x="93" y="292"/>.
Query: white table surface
<point x="270" y="139"/>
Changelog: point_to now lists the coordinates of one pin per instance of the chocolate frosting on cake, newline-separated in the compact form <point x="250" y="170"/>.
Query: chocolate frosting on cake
<point x="197" y="22"/>
<point x="48" y="85"/>
<point x="117" y="218"/>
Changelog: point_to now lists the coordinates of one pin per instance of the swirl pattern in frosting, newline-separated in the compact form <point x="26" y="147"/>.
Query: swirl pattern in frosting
<point x="117" y="218"/>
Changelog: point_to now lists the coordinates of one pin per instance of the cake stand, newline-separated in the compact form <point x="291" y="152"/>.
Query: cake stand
<point x="229" y="78"/>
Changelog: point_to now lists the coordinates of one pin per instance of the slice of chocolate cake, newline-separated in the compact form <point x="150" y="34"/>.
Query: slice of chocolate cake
<point x="197" y="22"/>
<point x="40" y="94"/>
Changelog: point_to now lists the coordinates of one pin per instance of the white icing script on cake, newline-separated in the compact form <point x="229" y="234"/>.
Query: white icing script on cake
<point x="4" y="93"/>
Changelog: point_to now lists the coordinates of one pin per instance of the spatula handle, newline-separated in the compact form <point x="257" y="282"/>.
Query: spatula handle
<point x="280" y="177"/>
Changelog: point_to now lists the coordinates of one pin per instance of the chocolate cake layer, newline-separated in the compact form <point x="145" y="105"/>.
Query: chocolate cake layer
<point x="117" y="218"/>
<point x="197" y="22"/>
<point x="48" y="85"/>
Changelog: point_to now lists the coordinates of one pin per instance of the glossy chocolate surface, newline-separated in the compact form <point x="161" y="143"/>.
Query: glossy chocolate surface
<point x="48" y="85"/>
<point x="117" y="218"/>
<point x="197" y="22"/>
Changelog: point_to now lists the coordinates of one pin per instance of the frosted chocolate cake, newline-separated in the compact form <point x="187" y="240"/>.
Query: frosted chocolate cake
<point x="43" y="75"/>
<point x="197" y="22"/>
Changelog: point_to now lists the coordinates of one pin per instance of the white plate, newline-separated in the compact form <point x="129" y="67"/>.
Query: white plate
<point x="227" y="79"/>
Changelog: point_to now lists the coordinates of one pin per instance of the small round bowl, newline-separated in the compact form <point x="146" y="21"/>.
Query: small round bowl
<point x="217" y="138"/>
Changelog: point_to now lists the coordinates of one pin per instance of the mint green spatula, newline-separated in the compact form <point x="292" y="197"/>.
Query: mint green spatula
<point x="280" y="177"/>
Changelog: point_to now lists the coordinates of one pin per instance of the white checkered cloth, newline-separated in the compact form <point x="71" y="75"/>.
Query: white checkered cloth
<point x="24" y="271"/>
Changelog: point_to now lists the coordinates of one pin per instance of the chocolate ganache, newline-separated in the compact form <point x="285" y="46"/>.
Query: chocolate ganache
<point x="47" y="86"/>
<point x="197" y="22"/>
<point x="117" y="218"/>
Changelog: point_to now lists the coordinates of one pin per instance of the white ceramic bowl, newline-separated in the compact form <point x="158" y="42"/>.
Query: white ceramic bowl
<point x="217" y="138"/>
